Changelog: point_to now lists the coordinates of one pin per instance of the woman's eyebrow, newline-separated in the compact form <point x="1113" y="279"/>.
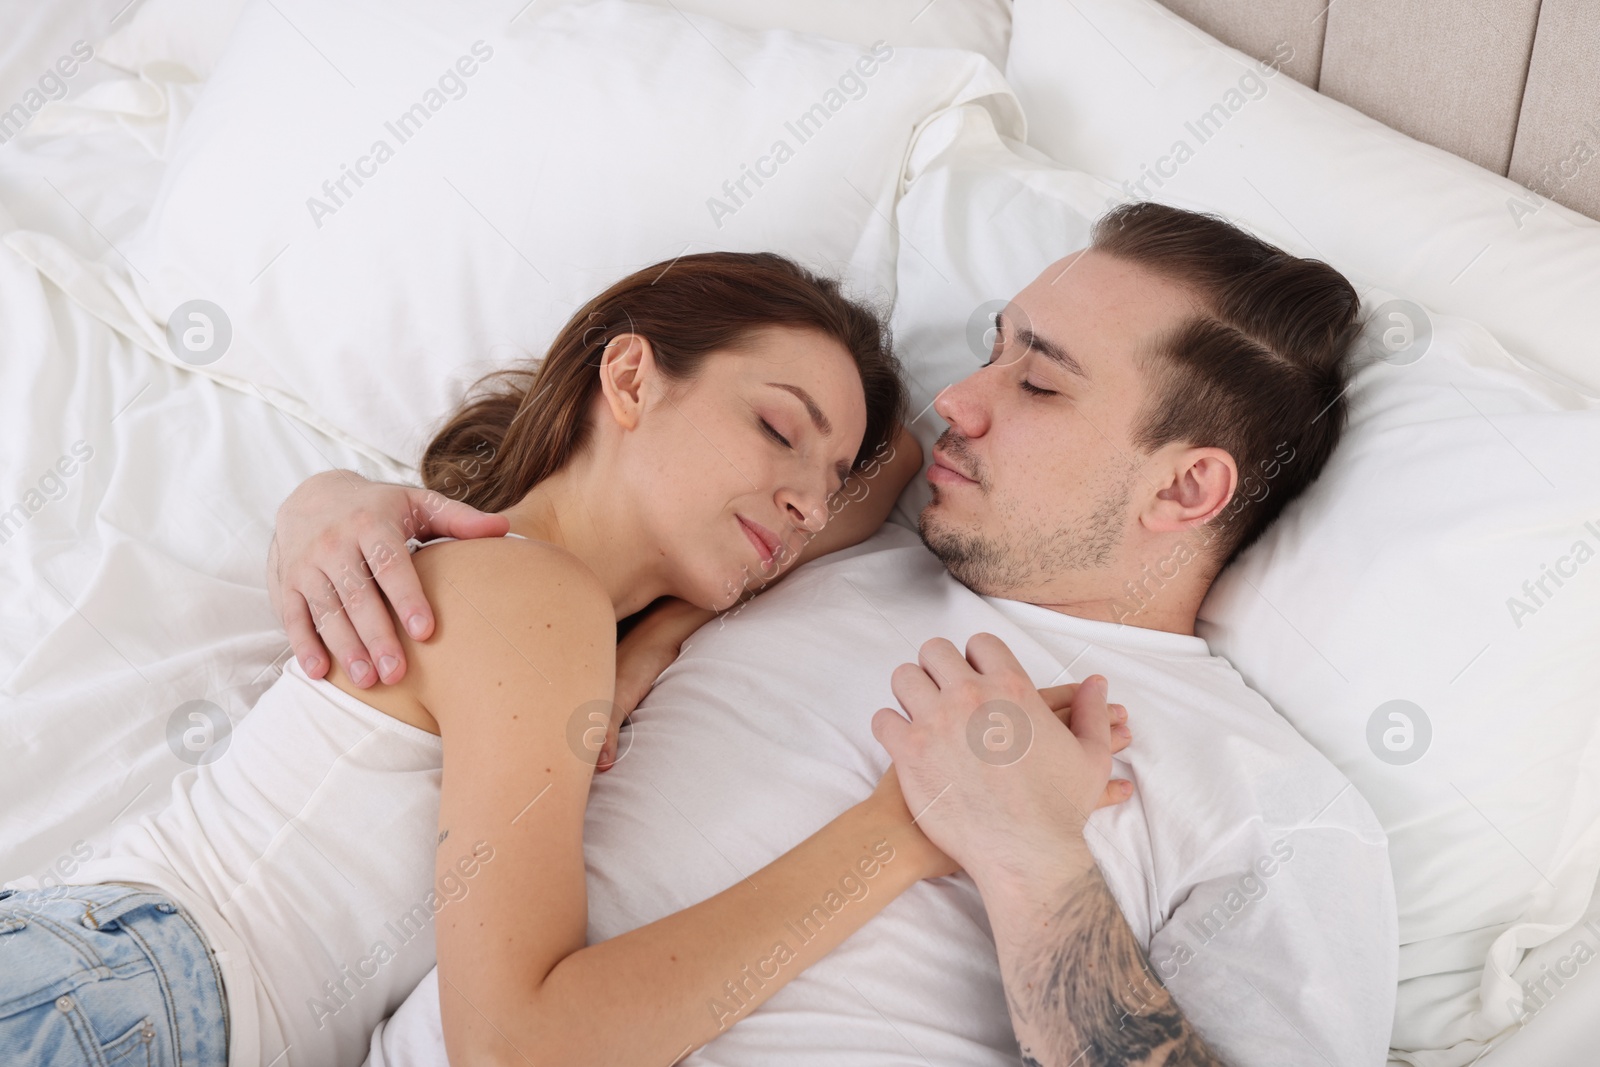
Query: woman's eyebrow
<point x="818" y="419"/>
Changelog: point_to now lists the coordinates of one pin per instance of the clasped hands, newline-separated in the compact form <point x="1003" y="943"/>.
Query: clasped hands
<point x="1001" y="776"/>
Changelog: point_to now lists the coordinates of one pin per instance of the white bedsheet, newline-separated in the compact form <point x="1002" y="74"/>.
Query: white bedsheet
<point x="133" y="584"/>
<point x="136" y="582"/>
<point x="32" y="36"/>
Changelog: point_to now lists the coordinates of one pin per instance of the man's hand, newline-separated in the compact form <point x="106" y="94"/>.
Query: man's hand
<point x="1004" y="787"/>
<point x="996" y="779"/>
<point x="339" y="549"/>
<point x="1059" y="699"/>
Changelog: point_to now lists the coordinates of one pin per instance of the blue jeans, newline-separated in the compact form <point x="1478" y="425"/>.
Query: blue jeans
<point x="106" y="975"/>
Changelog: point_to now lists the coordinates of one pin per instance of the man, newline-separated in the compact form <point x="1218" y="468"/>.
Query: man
<point x="1152" y="404"/>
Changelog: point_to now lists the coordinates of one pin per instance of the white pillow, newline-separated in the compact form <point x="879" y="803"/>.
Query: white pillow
<point x="192" y="33"/>
<point x="1461" y="473"/>
<point x="954" y="272"/>
<point x="551" y="158"/>
<point x="1394" y="614"/>
<point x="1113" y="86"/>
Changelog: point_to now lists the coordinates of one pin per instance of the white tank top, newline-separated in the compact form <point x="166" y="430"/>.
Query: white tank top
<point x="306" y="852"/>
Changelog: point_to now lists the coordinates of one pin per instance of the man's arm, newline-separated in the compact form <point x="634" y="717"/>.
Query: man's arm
<point x="338" y="540"/>
<point x="1080" y="988"/>
<point x="337" y="563"/>
<point x="1081" y="991"/>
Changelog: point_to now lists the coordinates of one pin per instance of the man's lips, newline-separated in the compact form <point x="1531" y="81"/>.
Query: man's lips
<point x="765" y="540"/>
<point x="943" y="472"/>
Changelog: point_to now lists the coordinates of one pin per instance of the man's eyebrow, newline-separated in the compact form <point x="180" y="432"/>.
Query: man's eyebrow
<point x="1049" y="349"/>
<point x="818" y="419"/>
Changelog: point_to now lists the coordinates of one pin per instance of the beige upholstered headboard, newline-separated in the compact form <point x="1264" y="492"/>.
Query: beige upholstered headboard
<point x="1512" y="85"/>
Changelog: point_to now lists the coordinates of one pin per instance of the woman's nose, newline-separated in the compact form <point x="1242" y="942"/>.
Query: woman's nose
<point x="806" y="510"/>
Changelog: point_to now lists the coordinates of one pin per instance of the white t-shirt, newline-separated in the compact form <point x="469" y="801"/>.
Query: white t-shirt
<point x="761" y="732"/>
<point x="1249" y="868"/>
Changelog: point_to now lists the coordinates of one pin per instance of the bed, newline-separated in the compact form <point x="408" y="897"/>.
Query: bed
<point x="140" y="472"/>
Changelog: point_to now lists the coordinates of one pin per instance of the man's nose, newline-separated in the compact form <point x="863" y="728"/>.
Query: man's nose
<point x="964" y="405"/>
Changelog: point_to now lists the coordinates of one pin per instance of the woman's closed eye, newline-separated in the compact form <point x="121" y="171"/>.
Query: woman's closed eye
<point x="774" y="434"/>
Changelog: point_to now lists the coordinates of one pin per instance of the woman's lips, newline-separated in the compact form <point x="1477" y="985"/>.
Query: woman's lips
<point x="765" y="541"/>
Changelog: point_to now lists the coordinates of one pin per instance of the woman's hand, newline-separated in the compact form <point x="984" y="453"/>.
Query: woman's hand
<point x="891" y="803"/>
<point x="338" y="560"/>
<point x="647" y="650"/>
<point x="1059" y="697"/>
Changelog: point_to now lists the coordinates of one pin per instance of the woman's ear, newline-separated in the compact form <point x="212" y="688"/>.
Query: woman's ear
<point x="627" y="374"/>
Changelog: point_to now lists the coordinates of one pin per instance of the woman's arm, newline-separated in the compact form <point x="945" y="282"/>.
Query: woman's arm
<point x="523" y="647"/>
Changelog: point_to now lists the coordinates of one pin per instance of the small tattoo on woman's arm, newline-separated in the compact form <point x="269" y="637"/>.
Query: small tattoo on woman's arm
<point x="442" y="835"/>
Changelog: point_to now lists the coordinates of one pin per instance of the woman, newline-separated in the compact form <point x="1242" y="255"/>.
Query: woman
<point x="693" y="423"/>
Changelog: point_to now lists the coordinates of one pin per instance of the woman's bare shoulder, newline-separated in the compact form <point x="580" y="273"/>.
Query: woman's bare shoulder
<point x="505" y="607"/>
<point x="520" y="571"/>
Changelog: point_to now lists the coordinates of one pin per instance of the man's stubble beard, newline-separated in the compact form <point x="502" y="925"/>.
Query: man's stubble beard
<point x="1011" y="565"/>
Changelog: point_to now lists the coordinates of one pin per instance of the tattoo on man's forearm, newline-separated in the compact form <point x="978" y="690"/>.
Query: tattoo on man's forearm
<point x="1083" y="992"/>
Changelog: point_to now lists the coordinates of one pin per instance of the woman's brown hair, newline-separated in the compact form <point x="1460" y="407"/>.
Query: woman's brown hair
<point x="521" y="424"/>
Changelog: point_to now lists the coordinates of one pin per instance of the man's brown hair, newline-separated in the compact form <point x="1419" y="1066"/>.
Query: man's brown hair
<point x="1259" y="372"/>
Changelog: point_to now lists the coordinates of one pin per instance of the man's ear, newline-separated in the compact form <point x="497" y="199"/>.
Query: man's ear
<point x="1199" y="482"/>
<point x="627" y="377"/>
